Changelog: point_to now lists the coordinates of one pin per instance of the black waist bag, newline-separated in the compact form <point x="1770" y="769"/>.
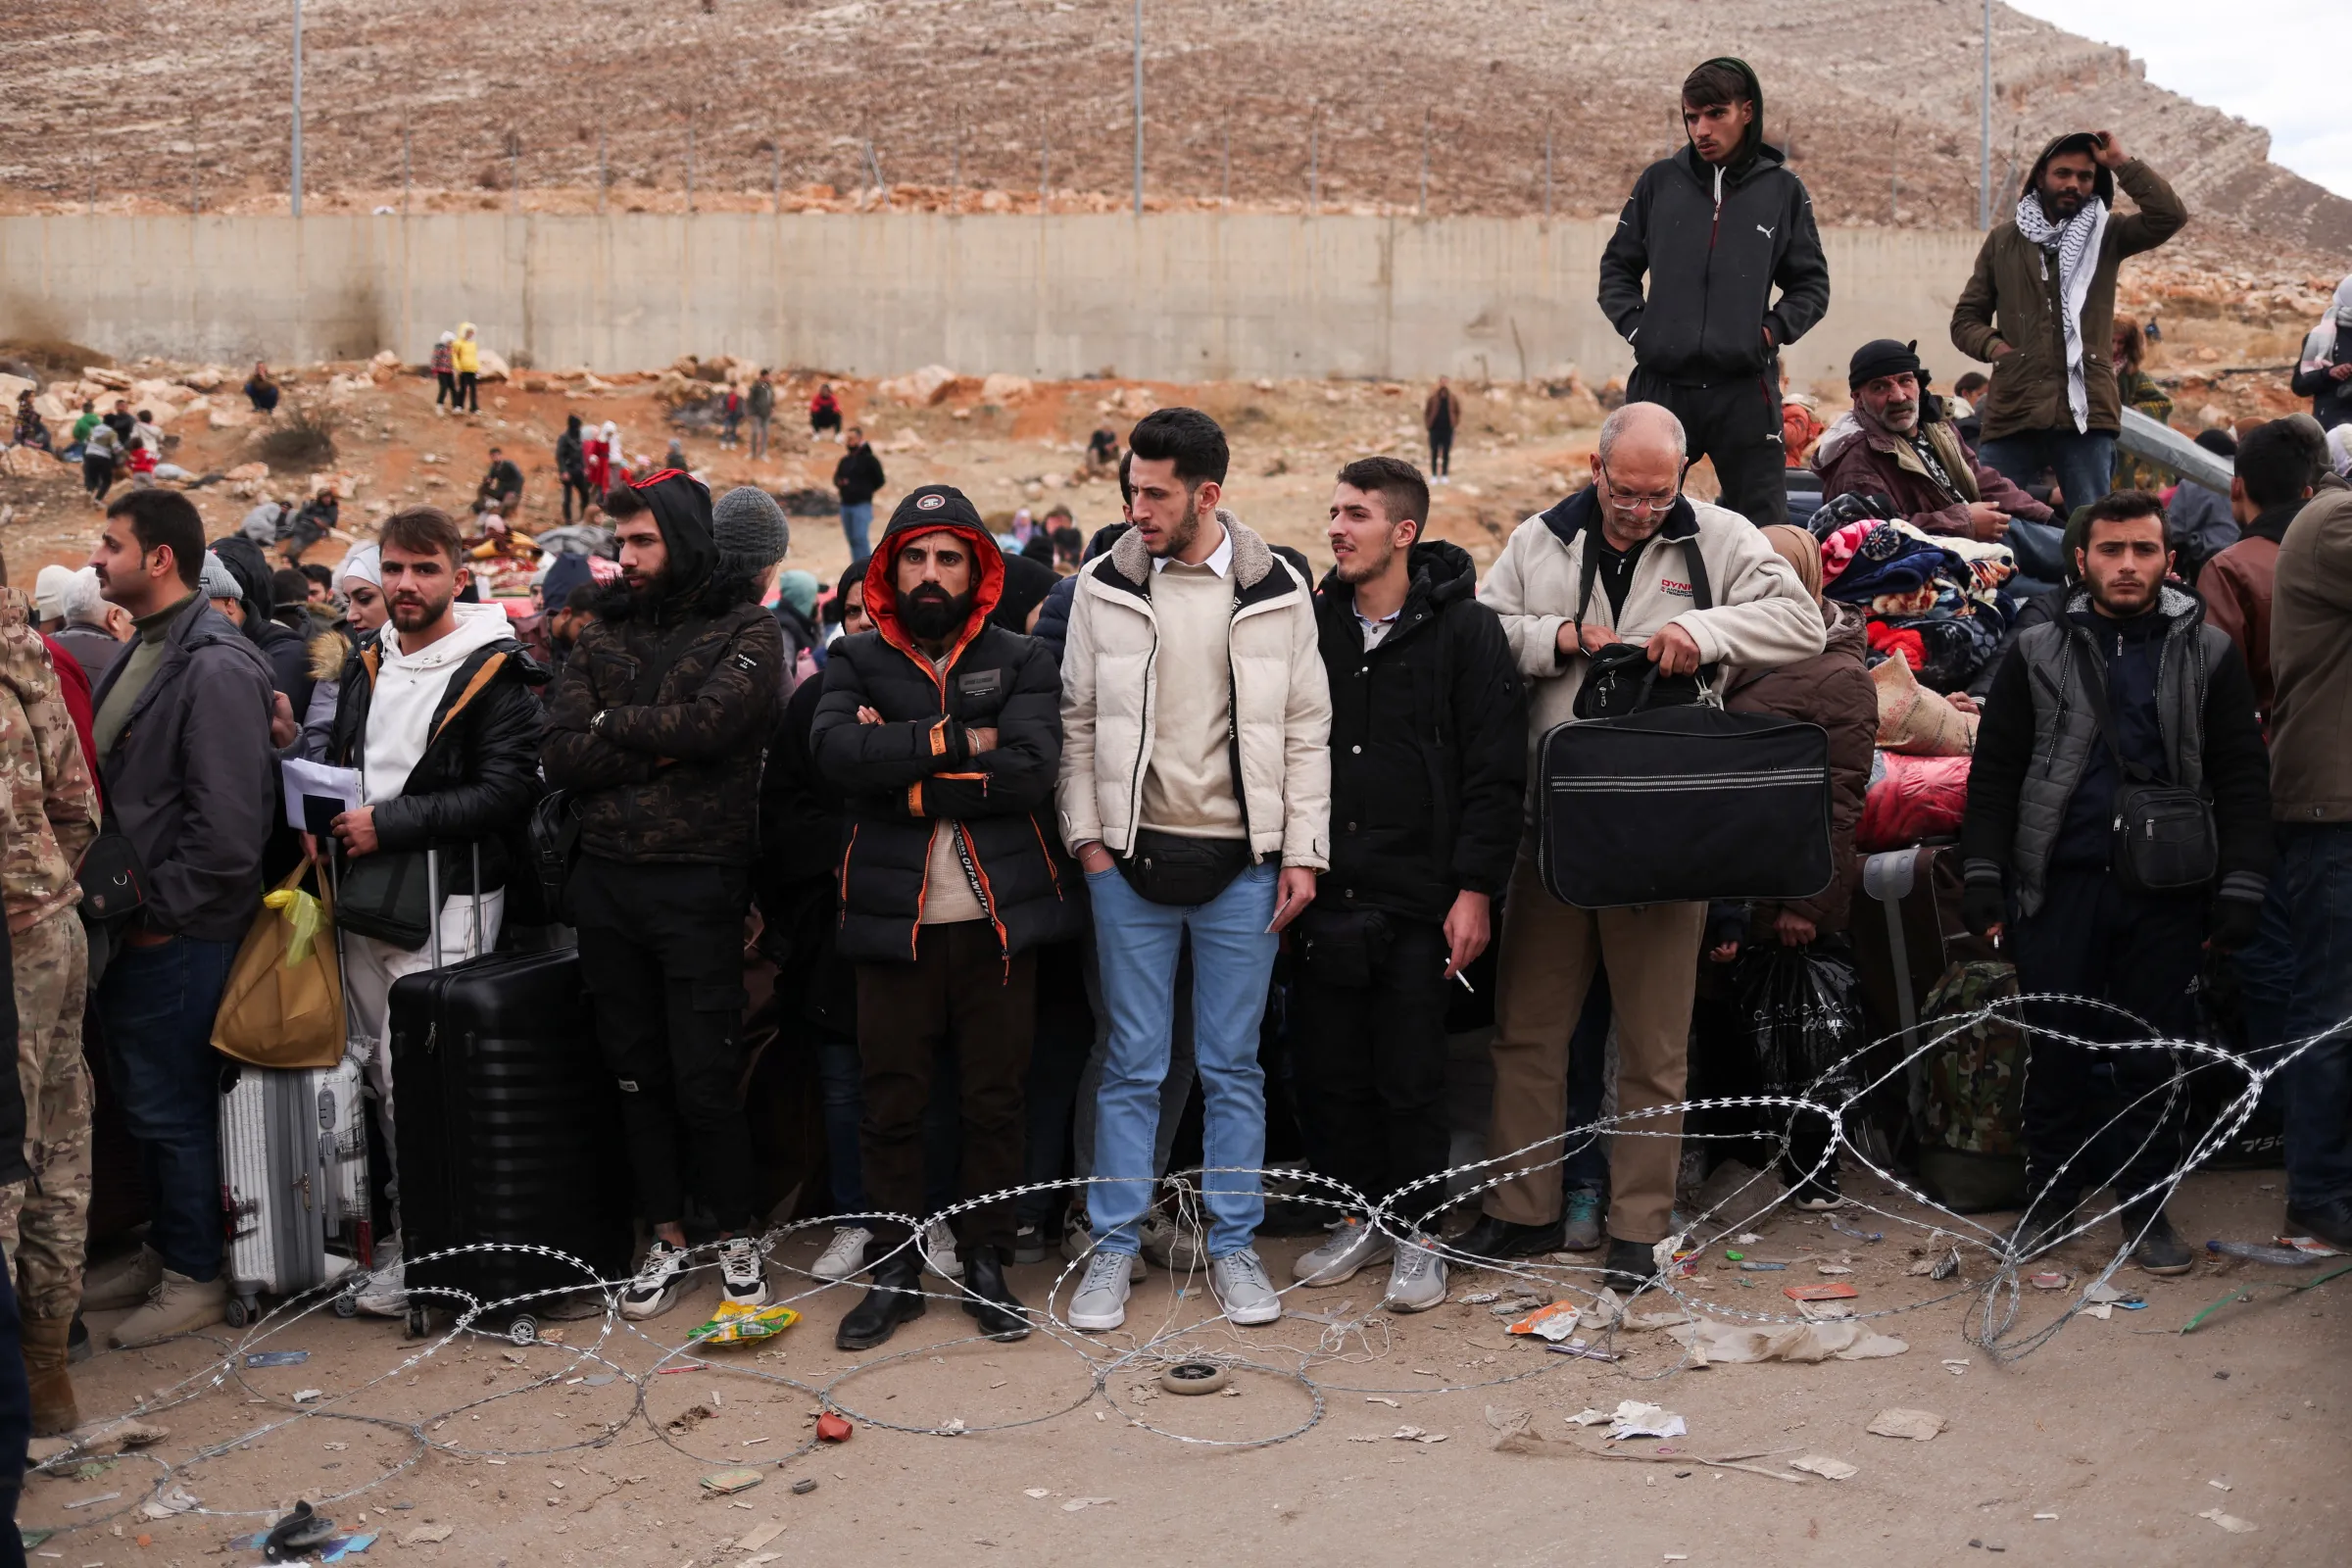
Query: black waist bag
<point x="1171" y="868"/>
<point x="2163" y="837"/>
<point x="1684" y="805"/>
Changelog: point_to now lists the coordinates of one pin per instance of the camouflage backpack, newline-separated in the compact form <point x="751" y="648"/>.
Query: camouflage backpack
<point x="1967" y="1091"/>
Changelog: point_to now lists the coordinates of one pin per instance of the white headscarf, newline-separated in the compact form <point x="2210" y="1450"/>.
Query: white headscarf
<point x="364" y="564"/>
<point x="2319" y="347"/>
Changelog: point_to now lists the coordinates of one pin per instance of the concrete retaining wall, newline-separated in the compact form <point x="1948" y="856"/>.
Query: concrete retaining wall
<point x="1168" y="297"/>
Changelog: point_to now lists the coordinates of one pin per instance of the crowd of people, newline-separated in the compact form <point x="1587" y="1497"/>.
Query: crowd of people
<point x="1043" y="833"/>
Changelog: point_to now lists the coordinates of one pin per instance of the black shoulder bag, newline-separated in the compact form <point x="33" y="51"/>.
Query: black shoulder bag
<point x="2163" y="837"/>
<point x="1620" y="678"/>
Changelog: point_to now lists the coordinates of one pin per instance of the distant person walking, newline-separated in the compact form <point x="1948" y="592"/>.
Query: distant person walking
<point x="1716" y="228"/>
<point x="445" y="372"/>
<point x="760" y="402"/>
<point x="467" y="355"/>
<point x="1439" y="413"/>
<point x="824" y="411"/>
<point x="857" y="475"/>
<point x="2041" y="307"/>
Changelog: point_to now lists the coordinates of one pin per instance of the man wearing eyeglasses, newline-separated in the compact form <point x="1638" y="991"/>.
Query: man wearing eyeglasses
<point x="1714" y="229"/>
<point x="1636" y="533"/>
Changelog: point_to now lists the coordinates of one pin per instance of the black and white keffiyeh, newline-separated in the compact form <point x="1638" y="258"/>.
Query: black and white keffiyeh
<point x="2077" y="244"/>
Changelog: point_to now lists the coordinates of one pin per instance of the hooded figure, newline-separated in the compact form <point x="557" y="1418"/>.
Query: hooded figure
<point x="1714" y="243"/>
<point x="949" y="879"/>
<point x="284" y="647"/>
<point x="2323" y="373"/>
<point x="1026" y="584"/>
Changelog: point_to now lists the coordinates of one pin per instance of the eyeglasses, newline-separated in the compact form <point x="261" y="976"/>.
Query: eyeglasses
<point x="1634" y="504"/>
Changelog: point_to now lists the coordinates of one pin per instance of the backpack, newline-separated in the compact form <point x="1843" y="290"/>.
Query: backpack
<point x="1968" y="1087"/>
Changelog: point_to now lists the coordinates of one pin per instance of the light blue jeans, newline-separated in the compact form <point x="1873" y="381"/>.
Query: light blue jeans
<point x="856" y="523"/>
<point x="1233" y="960"/>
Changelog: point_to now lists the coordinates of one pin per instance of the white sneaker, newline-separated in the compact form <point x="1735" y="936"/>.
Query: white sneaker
<point x="655" y="1290"/>
<point x="386" y="1293"/>
<point x="742" y="1273"/>
<point x="1416" y="1278"/>
<point x="938" y="1247"/>
<point x="1101" y="1299"/>
<point x="844" y="1256"/>
<point x="1243" y="1289"/>
<point x="1353" y="1245"/>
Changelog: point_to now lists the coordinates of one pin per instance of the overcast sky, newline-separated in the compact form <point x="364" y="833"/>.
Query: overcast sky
<point x="2274" y="62"/>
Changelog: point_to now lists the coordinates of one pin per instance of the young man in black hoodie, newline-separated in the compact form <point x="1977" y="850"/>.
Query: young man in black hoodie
<point x="657" y="724"/>
<point x="1717" y="226"/>
<point x="942" y="731"/>
<point x="1428" y="761"/>
<point x="2126" y="687"/>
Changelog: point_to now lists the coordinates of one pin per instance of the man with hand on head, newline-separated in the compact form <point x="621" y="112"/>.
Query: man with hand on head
<point x="1428" y="762"/>
<point x="1614" y="565"/>
<point x="942" y="732"/>
<point x="1195" y="724"/>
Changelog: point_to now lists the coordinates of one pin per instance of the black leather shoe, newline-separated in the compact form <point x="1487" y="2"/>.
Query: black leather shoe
<point x="2159" y="1250"/>
<point x="1501" y="1239"/>
<point x="1629" y="1264"/>
<point x="2039" y="1230"/>
<point x="896" y="1299"/>
<point x="2322" y="1222"/>
<point x="989" y="1298"/>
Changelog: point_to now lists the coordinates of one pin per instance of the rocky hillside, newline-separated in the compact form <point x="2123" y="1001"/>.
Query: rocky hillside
<point x="149" y="104"/>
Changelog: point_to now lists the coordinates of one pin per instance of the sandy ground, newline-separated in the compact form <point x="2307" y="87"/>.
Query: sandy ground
<point x="2124" y="1430"/>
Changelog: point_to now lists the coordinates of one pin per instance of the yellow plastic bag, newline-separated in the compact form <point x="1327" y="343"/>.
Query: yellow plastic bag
<point x="745" y="1325"/>
<point x="283" y="1007"/>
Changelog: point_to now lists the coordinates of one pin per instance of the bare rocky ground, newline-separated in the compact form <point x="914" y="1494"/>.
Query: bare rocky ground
<point x="2106" y="1445"/>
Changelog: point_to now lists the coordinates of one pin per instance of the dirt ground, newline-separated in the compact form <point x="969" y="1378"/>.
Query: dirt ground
<point x="2124" y="1430"/>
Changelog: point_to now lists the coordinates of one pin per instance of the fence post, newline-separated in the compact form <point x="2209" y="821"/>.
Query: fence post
<point x="513" y="172"/>
<point x="1314" y="170"/>
<point x="604" y="173"/>
<point x="956" y="170"/>
<point x="690" y="165"/>
<point x="775" y="176"/>
<point x="407" y="179"/>
<point x="1044" y="170"/>
<point x="1547" y="168"/>
<point x="1424" y="163"/>
<point x="1225" y="188"/>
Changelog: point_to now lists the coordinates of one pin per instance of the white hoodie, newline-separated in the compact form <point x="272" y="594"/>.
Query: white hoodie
<point x="408" y="691"/>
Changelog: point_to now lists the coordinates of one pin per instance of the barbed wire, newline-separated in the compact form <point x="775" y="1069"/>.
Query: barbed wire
<point x="1991" y="1323"/>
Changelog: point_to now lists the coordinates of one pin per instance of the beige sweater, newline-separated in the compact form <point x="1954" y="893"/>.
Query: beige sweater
<point x="1189" y="788"/>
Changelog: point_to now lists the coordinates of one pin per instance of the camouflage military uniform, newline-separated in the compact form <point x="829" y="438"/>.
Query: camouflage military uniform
<point x="51" y="814"/>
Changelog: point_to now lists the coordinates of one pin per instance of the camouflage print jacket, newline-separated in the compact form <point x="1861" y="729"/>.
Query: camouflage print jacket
<point x="51" y="802"/>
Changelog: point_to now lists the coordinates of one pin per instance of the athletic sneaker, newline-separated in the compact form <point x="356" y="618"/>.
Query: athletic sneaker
<point x="1101" y="1299"/>
<point x="1029" y="1244"/>
<point x="1580" y="1225"/>
<point x="1416" y="1278"/>
<point x="741" y="1273"/>
<point x="843" y="1256"/>
<point x="655" y="1290"/>
<point x="1354" y="1246"/>
<point x="386" y="1293"/>
<point x="1171" y="1246"/>
<point x="1243" y="1289"/>
<point x="1078" y="1245"/>
<point x="938" y="1250"/>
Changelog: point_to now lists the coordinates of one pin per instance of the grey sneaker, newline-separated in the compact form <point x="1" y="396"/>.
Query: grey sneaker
<point x="1171" y="1246"/>
<point x="386" y="1293"/>
<point x="844" y="1256"/>
<point x="1580" y="1227"/>
<point x="1078" y="1245"/>
<point x="1101" y="1299"/>
<point x="1416" y="1278"/>
<point x="1353" y="1245"/>
<point x="1243" y="1289"/>
<point x="177" y="1305"/>
<point x="122" y="1281"/>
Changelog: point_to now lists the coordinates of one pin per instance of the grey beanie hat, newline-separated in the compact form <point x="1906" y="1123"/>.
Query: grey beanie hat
<point x="215" y="581"/>
<point x="749" y="530"/>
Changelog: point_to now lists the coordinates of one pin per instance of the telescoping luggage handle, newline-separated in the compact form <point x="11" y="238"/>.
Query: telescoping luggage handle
<point x="1888" y="877"/>
<point x="432" y="901"/>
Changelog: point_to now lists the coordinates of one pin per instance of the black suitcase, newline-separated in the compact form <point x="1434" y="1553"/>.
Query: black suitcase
<point x="509" y="1131"/>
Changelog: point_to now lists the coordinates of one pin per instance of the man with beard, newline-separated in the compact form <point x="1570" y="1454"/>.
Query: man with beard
<point x="1897" y="443"/>
<point x="438" y="716"/>
<point x="1427" y="756"/>
<point x="2126" y="688"/>
<point x="942" y="731"/>
<point x="1715" y="228"/>
<point x="656" y="724"/>
<point x="2041" y="307"/>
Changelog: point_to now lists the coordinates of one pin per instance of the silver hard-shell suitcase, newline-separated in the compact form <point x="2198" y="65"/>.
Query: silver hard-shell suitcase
<point x="293" y="1181"/>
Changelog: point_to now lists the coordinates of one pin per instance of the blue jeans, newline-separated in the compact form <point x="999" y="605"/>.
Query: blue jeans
<point x="841" y="1077"/>
<point x="856" y="523"/>
<point x="2083" y="463"/>
<point x="1233" y="960"/>
<point x="2308" y="918"/>
<point x="157" y="1006"/>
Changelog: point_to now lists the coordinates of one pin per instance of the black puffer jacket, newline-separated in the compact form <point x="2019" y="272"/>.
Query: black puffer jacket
<point x="1715" y="244"/>
<point x="282" y="647"/>
<point x="915" y="770"/>
<point x="689" y="687"/>
<point x="1427" y="744"/>
<point x="479" y="773"/>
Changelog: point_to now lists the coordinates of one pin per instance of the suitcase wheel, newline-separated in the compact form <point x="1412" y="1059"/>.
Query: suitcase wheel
<point x="347" y="1304"/>
<point x="523" y="1331"/>
<point x="421" y="1323"/>
<point x="240" y="1310"/>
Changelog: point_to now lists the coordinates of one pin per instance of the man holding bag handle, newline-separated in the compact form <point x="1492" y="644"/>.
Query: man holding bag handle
<point x="2118" y="824"/>
<point x="437" y="715"/>
<point x="1605" y="570"/>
